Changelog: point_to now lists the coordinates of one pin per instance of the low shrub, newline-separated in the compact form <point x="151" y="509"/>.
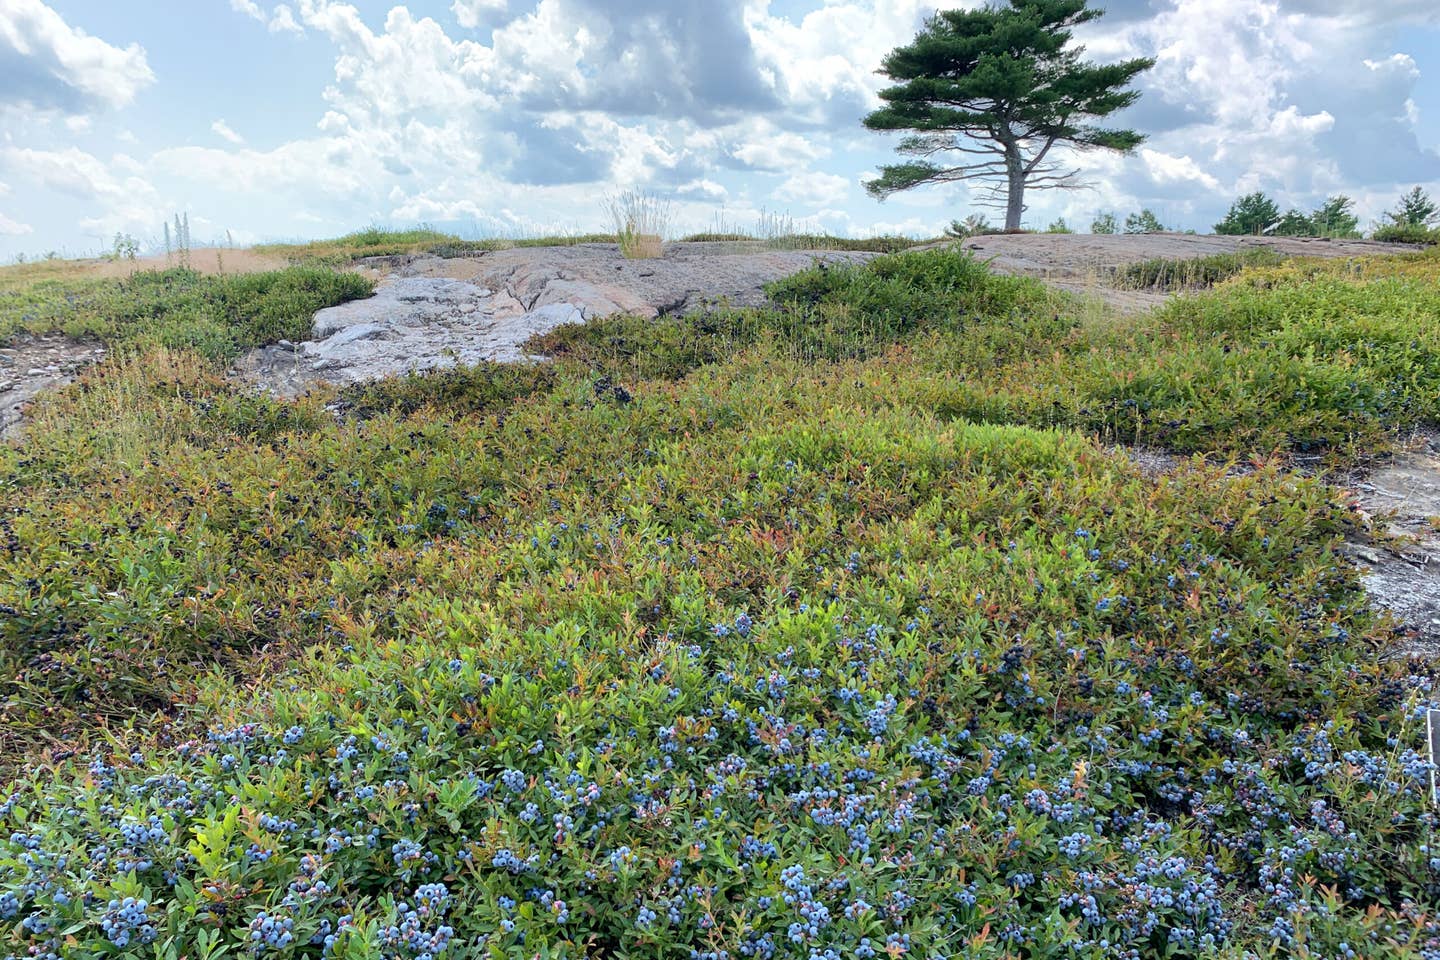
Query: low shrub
<point x="216" y="316"/>
<point x="1179" y="274"/>
<point x="801" y="633"/>
<point x="716" y="238"/>
<point x="1407" y="233"/>
<point x="453" y="391"/>
<point x="755" y="668"/>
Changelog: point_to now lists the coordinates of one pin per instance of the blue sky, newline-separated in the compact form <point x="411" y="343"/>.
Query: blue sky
<point x="505" y="117"/>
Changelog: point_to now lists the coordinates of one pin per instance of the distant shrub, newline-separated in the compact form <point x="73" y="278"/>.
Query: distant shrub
<point x="1407" y="233"/>
<point x="1415" y="209"/>
<point x="1335" y="218"/>
<point x="825" y="241"/>
<point x="976" y="224"/>
<point x="1166" y="274"/>
<point x="1251" y="215"/>
<point x="1143" y="222"/>
<point x="715" y="238"/>
<point x="1104" y="225"/>
<point x="641" y="220"/>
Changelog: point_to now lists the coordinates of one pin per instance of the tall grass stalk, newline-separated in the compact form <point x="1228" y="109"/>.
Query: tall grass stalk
<point x="641" y="220"/>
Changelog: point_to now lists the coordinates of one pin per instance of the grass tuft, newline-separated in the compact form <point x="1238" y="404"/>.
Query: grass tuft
<point x="1191" y="274"/>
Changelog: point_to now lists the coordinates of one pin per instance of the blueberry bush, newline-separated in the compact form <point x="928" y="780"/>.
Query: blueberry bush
<point x="835" y="640"/>
<point x="214" y="316"/>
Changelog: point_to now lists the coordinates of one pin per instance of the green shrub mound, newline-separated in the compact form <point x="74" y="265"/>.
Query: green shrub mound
<point x="214" y="316"/>
<point x="1407" y="233"/>
<point x="906" y="686"/>
<point x="1298" y="359"/>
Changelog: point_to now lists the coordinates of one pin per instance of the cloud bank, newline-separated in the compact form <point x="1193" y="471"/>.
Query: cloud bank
<point x="516" y="115"/>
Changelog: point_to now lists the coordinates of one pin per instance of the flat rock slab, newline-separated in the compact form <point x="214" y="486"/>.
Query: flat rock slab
<point x="433" y="313"/>
<point x="30" y="365"/>
<point x="1402" y="569"/>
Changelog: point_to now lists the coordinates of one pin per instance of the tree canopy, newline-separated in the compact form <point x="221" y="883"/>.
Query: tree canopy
<point x="1252" y="214"/>
<point x="989" y="93"/>
<point x="1144" y="222"/>
<point x="1255" y="214"/>
<point x="1336" y="218"/>
<point x="1416" y="209"/>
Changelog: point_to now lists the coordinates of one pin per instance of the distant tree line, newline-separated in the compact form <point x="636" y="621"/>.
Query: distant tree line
<point x="1255" y="214"/>
<point x="1415" y="219"/>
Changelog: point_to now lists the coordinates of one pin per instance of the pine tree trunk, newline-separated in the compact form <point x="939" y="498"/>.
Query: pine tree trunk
<point x="1015" y="199"/>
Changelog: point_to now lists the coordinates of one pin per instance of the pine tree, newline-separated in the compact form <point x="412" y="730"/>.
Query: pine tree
<point x="1143" y="222"/>
<point x="1251" y="215"/>
<point x="1335" y="218"/>
<point x="996" y="89"/>
<point x="1416" y="209"/>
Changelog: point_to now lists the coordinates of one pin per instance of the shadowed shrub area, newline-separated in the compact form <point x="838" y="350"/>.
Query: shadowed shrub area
<point x="826" y="627"/>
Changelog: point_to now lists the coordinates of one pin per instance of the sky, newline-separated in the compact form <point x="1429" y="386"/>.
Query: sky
<point x="311" y="118"/>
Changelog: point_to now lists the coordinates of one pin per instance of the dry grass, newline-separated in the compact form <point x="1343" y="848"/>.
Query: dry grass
<point x="211" y="261"/>
<point x="116" y="398"/>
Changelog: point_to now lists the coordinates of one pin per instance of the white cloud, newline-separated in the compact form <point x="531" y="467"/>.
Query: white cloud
<point x="474" y="13"/>
<point x="279" y="20"/>
<point x="1286" y="96"/>
<point x="813" y="189"/>
<point x="325" y="164"/>
<point x="122" y="199"/>
<point x="410" y="67"/>
<point x="12" y="228"/>
<point x="71" y="171"/>
<point x="824" y="65"/>
<point x="223" y="130"/>
<point x="702" y="188"/>
<point x="50" y="65"/>
<point x="1167" y="169"/>
<point x="249" y="8"/>
<point x="764" y="146"/>
<point x="282" y="20"/>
